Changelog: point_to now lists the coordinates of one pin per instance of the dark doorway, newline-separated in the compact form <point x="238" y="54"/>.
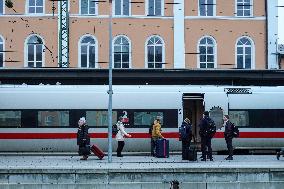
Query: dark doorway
<point x="193" y="109"/>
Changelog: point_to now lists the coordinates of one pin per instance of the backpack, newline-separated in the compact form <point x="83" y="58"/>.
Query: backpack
<point x="114" y="129"/>
<point x="184" y="132"/>
<point x="236" y="132"/>
<point x="211" y="128"/>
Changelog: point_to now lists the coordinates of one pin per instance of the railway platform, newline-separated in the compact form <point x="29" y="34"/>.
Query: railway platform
<point x="139" y="172"/>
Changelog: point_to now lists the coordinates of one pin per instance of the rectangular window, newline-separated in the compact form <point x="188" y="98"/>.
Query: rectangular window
<point x="10" y="118"/>
<point x="240" y="59"/>
<point x="122" y="7"/>
<point x="239" y="118"/>
<point x="206" y="7"/>
<point x="84" y="58"/>
<point x="92" y="57"/>
<point x="35" y="6"/>
<point x="210" y="65"/>
<point x="125" y="58"/>
<point x="267" y="118"/>
<point x="99" y="118"/>
<point x="154" y="7"/>
<point x="125" y="65"/>
<point x="210" y="58"/>
<point x="88" y="7"/>
<point x="248" y="62"/>
<point x="202" y="65"/>
<point x="53" y="118"/>
<point x="147" y="118"/>
<point x="38" y="52"/>
<point x="150" y="54"/>
<point x="1" y="6"/>
<point x="202" y="58"/>
<point x="244" y="8"/>
<point x="158" y="54"/>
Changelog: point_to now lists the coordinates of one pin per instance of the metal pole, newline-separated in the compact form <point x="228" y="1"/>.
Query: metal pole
<point x="110" y="86"/>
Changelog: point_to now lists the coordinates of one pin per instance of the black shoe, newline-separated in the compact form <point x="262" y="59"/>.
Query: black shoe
<point x="229" y="158"/>
<point x="203" y="159"/>
<point x="211" y="159"/>
<point x="119" y="155"/>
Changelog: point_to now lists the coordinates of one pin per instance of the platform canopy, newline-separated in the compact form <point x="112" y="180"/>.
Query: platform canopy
<point x="89" y="76"/>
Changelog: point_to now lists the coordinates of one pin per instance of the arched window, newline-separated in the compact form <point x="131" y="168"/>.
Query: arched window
<point x="1" y="52"/>
<point x="155" y="52"/>
<point x="244" y="53"/>
<point x="35" y="54"/>
<point x="88" y="55"/>
<point x="207" y="53"/>
<point x="121" y="52"/>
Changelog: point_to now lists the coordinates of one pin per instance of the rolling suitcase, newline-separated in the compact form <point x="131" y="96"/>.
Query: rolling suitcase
<point x="97" y="151"/>
<point x="192" y="154"/>
<point x="162" y="148"/>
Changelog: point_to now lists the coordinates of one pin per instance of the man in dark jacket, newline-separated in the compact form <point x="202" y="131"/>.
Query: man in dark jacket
<point x="206" y="137"/>
<point x="186" y="137"/>
<point x="229" y="135"/>
<point x="83" y="139"/>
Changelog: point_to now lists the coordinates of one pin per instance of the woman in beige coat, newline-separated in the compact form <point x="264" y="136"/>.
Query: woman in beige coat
<point x="120" y="137"/>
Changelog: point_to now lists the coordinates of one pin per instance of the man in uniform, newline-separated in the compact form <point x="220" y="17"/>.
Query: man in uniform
<point x="206" y="136"/>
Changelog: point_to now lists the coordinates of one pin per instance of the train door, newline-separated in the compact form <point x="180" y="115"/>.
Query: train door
<point x="193" y="108"/>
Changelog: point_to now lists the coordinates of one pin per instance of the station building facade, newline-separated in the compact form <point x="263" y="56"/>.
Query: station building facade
<point x="154" y="34"/>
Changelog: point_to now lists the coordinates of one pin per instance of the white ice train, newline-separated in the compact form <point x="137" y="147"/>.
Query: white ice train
<point x="44" y="117"/>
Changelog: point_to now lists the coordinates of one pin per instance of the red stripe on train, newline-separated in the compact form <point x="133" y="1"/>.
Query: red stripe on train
<point x="134" y="135"/>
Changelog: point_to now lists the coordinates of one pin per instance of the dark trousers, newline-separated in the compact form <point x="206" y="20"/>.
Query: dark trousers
<point x="152" y="147"/>
<point x="185" y="149"/>
<point x="206" y="144"/>
<point x="120" y="147"/>
<point x="229" y="142"/>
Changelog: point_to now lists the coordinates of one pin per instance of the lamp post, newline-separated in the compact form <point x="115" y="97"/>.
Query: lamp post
<point x="110" y="86"/>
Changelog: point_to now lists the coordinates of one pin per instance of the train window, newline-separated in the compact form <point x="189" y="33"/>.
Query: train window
<point x="147" y="118"/>
<point x="74" y="116"/>
<point x="99" y="118"/>
<point x="239" y="118"/>
<point x="53" y="118"/>
<point x="268" y="118"/>
<point x="10" y="118"/>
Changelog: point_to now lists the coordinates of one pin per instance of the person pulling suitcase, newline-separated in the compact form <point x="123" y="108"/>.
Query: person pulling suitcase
<point x="83" y="139"/>
<point x="156" y="134"/>
<point x="161" y="145"/>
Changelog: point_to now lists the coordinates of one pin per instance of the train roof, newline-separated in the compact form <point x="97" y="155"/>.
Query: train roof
<point x="90" y="76"/>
